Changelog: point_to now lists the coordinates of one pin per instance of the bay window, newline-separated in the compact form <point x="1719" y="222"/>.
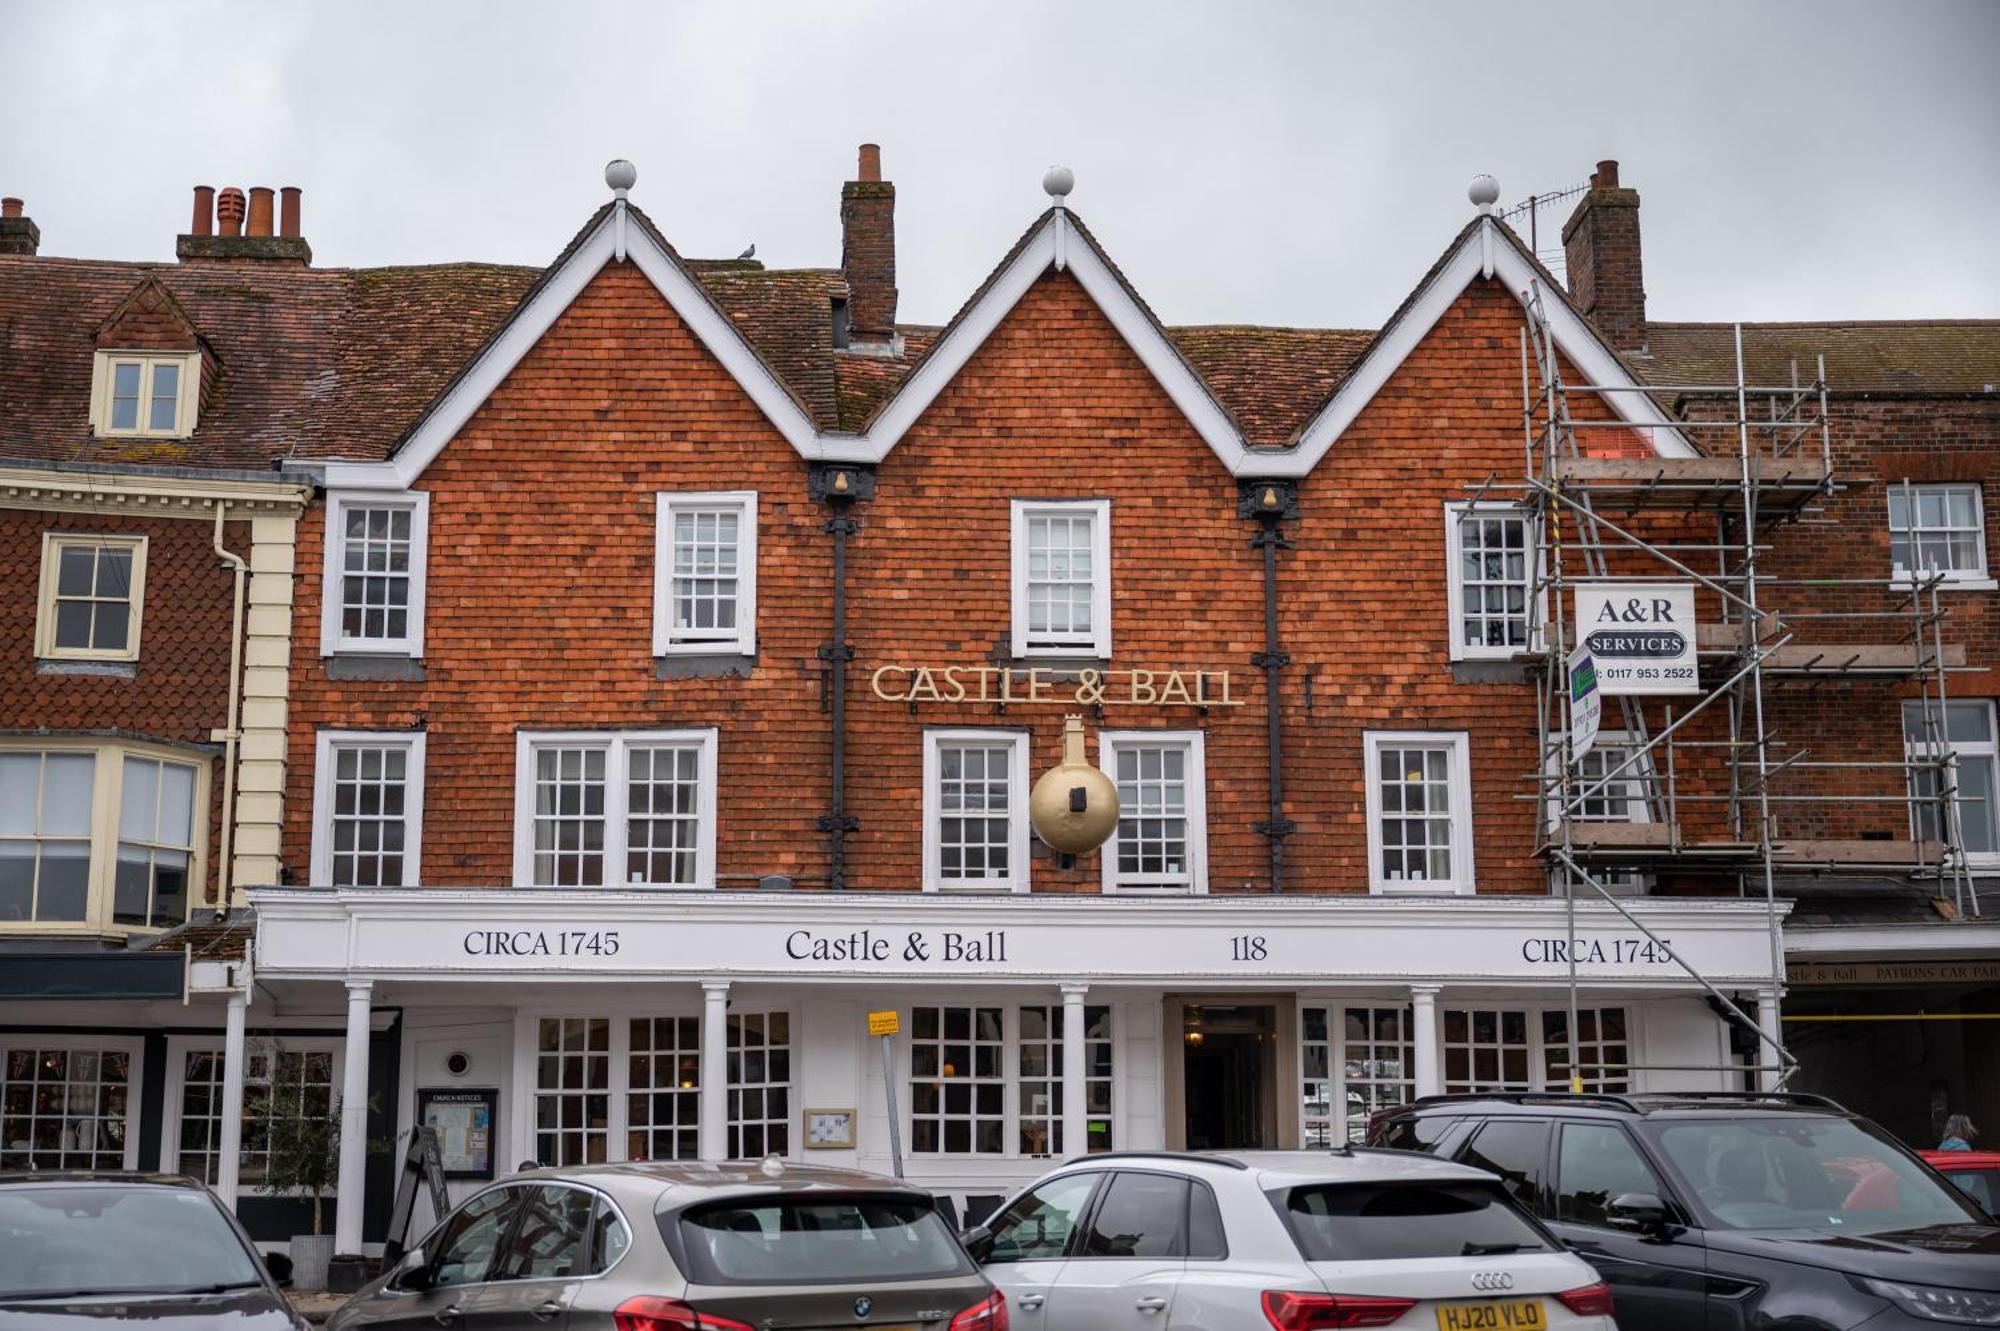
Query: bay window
<point x="615" y="808"/>
<point x="99" y="837"/>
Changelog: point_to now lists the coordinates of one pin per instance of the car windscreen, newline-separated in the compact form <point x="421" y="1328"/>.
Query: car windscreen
<point x="807" y="1240"/>
<point x="1339" y="1222"/>
<point x="110" y="1239"/>
<point x="1799" y="1172"/>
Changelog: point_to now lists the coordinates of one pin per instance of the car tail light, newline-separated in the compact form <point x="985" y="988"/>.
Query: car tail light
<point x="989" y="1314"/>
<point x="650" y="1312"/>
<point x="1288" y="1310"/>
<point x="1588" y="1300"/>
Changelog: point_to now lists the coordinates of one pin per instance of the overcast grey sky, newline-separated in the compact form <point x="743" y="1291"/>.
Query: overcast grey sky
<point x="1286" y="163"/>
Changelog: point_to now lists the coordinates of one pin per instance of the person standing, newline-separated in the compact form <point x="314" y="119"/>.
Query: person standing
<point x="1958" y="1134"/>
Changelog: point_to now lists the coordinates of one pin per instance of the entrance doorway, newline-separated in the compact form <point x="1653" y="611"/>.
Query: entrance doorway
<point x="1229" y="1075"/>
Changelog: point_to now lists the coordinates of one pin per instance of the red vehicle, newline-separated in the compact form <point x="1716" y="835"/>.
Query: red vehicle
<point x="1977" y="1173"/>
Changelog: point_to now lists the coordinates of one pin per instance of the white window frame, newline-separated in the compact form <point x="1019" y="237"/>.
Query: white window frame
<point x="53" y="544"/>
<point x="1099" y="511"/>
<point x="617" y="745"/>
<point x="332" y="641"/>
<point x="1017" y="810"/>
<point x="1967" y="579"/>
<point x="1638" y="809"/>
<point x="107" y="802"/>
<point x="412" y="743"/>
<point x="1463" y="878"/>
<point x="1454" y="547"/>
<point x="1340" y="1127"/>
<point x="1109" y="742"/>
<point x="1987" y="751"/>
<point x="743" y="641"/>
<point x="187" y="403"/>
<point x="174" y="1100"/>
<point x="71" y="1041"/>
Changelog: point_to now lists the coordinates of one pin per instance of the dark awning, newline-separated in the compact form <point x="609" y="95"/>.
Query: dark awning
<point x="92" y="975"/>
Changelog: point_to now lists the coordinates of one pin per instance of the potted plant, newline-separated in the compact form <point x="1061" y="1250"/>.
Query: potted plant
<point x="304" y="1161"/>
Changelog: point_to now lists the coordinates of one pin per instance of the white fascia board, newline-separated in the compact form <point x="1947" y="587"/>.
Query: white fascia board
<point x="1966" y="940"/>
<point x="1154" y="351"/>
<point x="528" y="326"/>
<point x="1573" y="336"/>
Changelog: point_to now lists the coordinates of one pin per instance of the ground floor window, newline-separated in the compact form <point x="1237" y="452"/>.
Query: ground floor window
<point x="281" y="1081"/>
<point x="1374" y="1049"/>
<point x="1602" y="1051"/>
<point x="663" y="1097"/>
<point x="957" y="1089"/>
<point x="1039" y="1061"/>
<point x="1506" y="1049"/>
<point x="760" y="1084"/>
<point x="630" y="1088"/>
<point x="63" y="1106"/>
<point x="573" y="1091"/>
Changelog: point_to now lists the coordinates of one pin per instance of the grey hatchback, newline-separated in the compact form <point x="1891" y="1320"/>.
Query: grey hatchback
<point x="685" y="1247"/>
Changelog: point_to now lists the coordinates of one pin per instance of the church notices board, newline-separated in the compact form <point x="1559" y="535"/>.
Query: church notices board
<point x="464" y="1122"/>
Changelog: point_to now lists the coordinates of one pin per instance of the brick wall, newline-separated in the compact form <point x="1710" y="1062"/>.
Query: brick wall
<point x="179" y="688"/>
<point x="542" y="565"/>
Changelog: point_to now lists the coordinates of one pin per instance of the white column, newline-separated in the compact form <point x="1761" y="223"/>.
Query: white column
<point x="1075" y="1072"/>
<point x="1769" y="1022"/>
<point x="350" y="1184"/>
<point x="714" y="1134"/>
<point x="1424" y="1037"/>
<point x="229" y="1137"/>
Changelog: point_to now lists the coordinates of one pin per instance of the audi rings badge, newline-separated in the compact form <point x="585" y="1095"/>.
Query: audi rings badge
<point x="1491" y="1281"/>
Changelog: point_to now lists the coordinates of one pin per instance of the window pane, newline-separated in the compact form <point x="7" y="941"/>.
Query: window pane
<point x="138" y="812"/>
<point x="67" y="779"/>
<point x="1514" y="1150"/>
<point x="1143" y="1215"/>
<point x="166" y="399"/>
<point x="1598" y="1163"/>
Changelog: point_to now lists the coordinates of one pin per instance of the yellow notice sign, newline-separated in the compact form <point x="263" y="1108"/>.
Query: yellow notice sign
<point x="884" y="1023"/>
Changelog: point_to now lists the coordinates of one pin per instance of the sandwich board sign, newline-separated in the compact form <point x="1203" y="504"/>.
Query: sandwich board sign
<point x="1640" y="635"/>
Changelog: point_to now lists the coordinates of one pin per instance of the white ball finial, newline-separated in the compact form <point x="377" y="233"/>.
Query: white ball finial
<point x="1484" y="191"/>
<point x="1058" y="181"/>
<point x="621" y="175"/>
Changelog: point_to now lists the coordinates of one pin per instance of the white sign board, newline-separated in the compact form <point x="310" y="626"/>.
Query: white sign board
<point x="1641" y="635"/>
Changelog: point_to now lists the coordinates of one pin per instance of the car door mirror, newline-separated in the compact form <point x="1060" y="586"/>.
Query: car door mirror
<point x="280" y="1267"/>
<point x="978" y="1243"/>
<point x="415" y="1271"/>
<point x="1638" y="1212"/>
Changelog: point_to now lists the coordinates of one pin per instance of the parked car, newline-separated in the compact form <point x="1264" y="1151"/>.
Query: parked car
<point x="1723" y="1210"/>
<point x="84" y="1250"/>
<point x="684" y="1247"/>
<point x="1977" y="1174"/>
<point x="1287" y="1240"/>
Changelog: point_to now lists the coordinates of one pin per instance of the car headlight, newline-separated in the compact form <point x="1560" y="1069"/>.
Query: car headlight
<point x="1960" y="1307"/>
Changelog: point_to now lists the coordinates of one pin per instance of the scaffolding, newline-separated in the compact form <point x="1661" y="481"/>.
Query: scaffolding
<point x="1703" y="787"/>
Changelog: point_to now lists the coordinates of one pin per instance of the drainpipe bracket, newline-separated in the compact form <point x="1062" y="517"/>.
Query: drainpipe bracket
<point x="837" y="652"/>
<point x="838" y="822"/>
<point x="1278" y="828"/>
<point x="1270" y="660"/>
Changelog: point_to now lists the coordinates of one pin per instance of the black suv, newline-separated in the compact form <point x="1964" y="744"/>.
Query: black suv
<point x="1723" y="1210"/>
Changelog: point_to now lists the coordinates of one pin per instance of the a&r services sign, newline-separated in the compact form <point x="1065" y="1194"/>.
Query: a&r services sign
<point x="1641" y="635"/>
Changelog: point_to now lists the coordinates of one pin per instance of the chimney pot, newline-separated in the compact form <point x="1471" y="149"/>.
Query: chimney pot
<point x="871" y="162"/>
<point x="261" y="197"/>
<point x="229" y="212"/>
<point x="204" y="211"/>
<point x="288" y="210"/>
<point x="10" y="207"/>
<point x="1607" y="175"/>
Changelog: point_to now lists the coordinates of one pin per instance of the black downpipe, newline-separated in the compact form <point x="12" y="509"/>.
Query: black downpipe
<point x="1270" y="503"/>
<point x="839" y="487"/>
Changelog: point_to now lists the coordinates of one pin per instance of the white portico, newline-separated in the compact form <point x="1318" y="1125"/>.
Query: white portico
<point x="644" y="1024"/>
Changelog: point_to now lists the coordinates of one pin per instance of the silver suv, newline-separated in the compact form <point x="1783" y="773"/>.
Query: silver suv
<point x="1286" y="1240"/>
<point x="684" y="1247"/>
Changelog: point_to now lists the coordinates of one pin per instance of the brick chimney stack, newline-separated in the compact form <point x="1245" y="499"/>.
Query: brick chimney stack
<point x="868" y="249"/>
<point x="228" y="228"/>
<point x="1601" y="246"/>
<point x="18" y="233"/>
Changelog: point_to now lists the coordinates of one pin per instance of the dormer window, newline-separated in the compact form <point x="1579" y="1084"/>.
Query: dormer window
<point x="145" y="394"/>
